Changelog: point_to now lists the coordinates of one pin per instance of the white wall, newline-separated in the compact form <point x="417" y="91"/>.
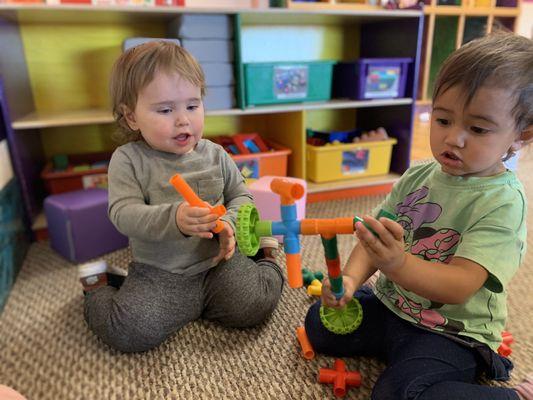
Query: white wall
<point x="525" y="21"/>
<point x="6" y="171"/>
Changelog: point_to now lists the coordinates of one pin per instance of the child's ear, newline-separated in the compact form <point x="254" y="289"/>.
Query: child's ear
<point x="129" y="116"/>
<point x="527" y="135"/>
<point x="525" y="138"/>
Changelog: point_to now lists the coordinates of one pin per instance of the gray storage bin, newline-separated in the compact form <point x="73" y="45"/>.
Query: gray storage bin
<point x="218" y="74"/>
<point x="210" y="50"/>
<point x="219" y="98"/>
<point x="201" y="26"/>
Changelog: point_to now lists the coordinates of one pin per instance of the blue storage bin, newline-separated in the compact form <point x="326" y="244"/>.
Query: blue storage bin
<point x="371" y="78"/>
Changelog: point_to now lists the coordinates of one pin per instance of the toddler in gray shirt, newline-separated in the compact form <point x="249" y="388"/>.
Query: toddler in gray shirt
<point x="181" y="270"/>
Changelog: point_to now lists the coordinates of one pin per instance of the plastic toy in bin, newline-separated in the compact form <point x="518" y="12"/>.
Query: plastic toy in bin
<point x="319" y="138"/>
<point x="368" y="155"/>
<point x="66" y="173"/>
<point x="254" y="156"/>
<point x="250" y="143"/>
<point x="371" y="78"/>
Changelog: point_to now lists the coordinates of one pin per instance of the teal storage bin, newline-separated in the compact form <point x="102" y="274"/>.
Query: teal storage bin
<point x="287" y="82"/>
<point x="14" y="240"/>
<point x="7" y="268"/>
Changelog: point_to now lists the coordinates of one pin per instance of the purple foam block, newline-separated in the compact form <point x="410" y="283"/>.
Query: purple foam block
<point x="79" y="227"/>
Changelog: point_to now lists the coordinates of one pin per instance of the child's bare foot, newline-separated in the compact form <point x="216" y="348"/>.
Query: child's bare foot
<point x="525" y="389"/>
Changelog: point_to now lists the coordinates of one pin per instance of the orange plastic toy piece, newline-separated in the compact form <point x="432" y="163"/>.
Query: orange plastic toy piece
<point x="505" y="348"/>
<point x="188" y="194"/>
<point x="307" y="349"/>
<point x="327" y="227"/>
<point x="288" y="191"/>
<point x="339" y="377"/>
<point x="294" y="272"/>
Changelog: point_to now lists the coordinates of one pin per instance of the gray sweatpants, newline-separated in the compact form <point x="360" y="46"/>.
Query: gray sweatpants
<point x="153" y="304"/>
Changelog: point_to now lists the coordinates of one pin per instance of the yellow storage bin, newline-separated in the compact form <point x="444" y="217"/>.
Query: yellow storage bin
<point x="347" y="161"/>
<point x="482" y="3"/>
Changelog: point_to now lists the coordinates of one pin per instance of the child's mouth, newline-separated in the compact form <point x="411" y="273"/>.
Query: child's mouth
<point x="451" y="156"/>
<point x="182" y="138"/>
<point x="450" y="159"/>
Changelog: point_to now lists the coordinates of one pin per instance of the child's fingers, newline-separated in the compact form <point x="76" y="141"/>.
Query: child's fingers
<point x="230" y="253"/>
<point x="393" y="227"/>
<point x="365" y="236"/>
<point x="203" y="215"/>
<point x="201" y="228"/>
<point x="203" y="235"/>
<point x="380" y="236"/>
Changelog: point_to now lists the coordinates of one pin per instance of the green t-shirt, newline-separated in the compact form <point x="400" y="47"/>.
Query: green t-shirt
<point x="480" y="219"/>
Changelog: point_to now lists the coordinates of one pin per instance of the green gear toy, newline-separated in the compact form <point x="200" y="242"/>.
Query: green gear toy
<point x="342" y="321"/>
<point x="247" y="240"/>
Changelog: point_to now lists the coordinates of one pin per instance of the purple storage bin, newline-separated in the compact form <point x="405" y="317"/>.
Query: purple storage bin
<point x="371" y="78"/>
<point x="79" y="227"/>
<point x="506" y="3"/>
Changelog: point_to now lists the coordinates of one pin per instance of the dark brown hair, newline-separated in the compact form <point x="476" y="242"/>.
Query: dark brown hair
<point x="136" y="68"/>
<point x="500" y="59"/>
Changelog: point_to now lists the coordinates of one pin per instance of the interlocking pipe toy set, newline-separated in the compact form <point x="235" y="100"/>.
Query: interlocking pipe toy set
<point x="250" y="229"/>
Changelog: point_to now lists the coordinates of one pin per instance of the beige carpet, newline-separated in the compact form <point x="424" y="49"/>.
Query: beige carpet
<point x="47" y="352"/>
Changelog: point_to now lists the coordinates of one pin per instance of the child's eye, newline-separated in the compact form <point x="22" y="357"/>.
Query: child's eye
<point x="192" y="107"/>
<point x="478" y="130"/>
<point x="443" y="122"/>
<point x="164" y="110"/>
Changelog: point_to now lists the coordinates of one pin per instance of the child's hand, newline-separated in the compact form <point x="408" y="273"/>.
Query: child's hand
<point x="195" y="221"/>
<point x="387" y="249"/>
<point x="329" y="299"/>
<point x="226" y="240"/>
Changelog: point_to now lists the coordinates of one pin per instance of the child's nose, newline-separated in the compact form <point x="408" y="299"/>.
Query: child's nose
<point x="181" y="120"/>
<point x="456" y="137"/>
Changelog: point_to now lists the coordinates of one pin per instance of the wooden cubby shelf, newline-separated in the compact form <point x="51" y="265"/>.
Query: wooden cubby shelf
<point x="56" y="62"/>
<point x="37" y="120"/>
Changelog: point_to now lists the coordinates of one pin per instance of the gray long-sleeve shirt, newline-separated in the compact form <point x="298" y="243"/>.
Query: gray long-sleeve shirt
<point x="143" y="204"/>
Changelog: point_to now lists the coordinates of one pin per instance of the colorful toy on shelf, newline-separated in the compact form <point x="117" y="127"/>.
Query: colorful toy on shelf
<point x="339" y="377"/>
<point x="305" y="344"/>
<point x="254" y="156"/>
<point x="250" y="228"/>
<point x="188" y="194"/>
<point x="505" y="348"/>
<point x="333" y="136"/>
<point x="249" y="143"/>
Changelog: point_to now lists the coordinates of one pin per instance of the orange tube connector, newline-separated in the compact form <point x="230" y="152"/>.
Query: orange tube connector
<point x="188" y="194"/>
<point x="305" y="344"/>
<point x="294" y="273"/>
<point x="327" y="227"/>
<point x="288" y="191"/>
<point x="340" y="378"/>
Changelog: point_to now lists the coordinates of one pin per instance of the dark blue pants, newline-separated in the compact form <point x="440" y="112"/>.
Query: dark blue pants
<point x="420" y="364"/>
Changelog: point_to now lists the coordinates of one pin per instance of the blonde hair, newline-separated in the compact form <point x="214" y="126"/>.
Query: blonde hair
<point x="136" y="68"/>
<point x="500" y="59"/>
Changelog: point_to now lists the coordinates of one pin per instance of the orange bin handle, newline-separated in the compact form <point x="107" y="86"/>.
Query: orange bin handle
<point x="188" y="194"/>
